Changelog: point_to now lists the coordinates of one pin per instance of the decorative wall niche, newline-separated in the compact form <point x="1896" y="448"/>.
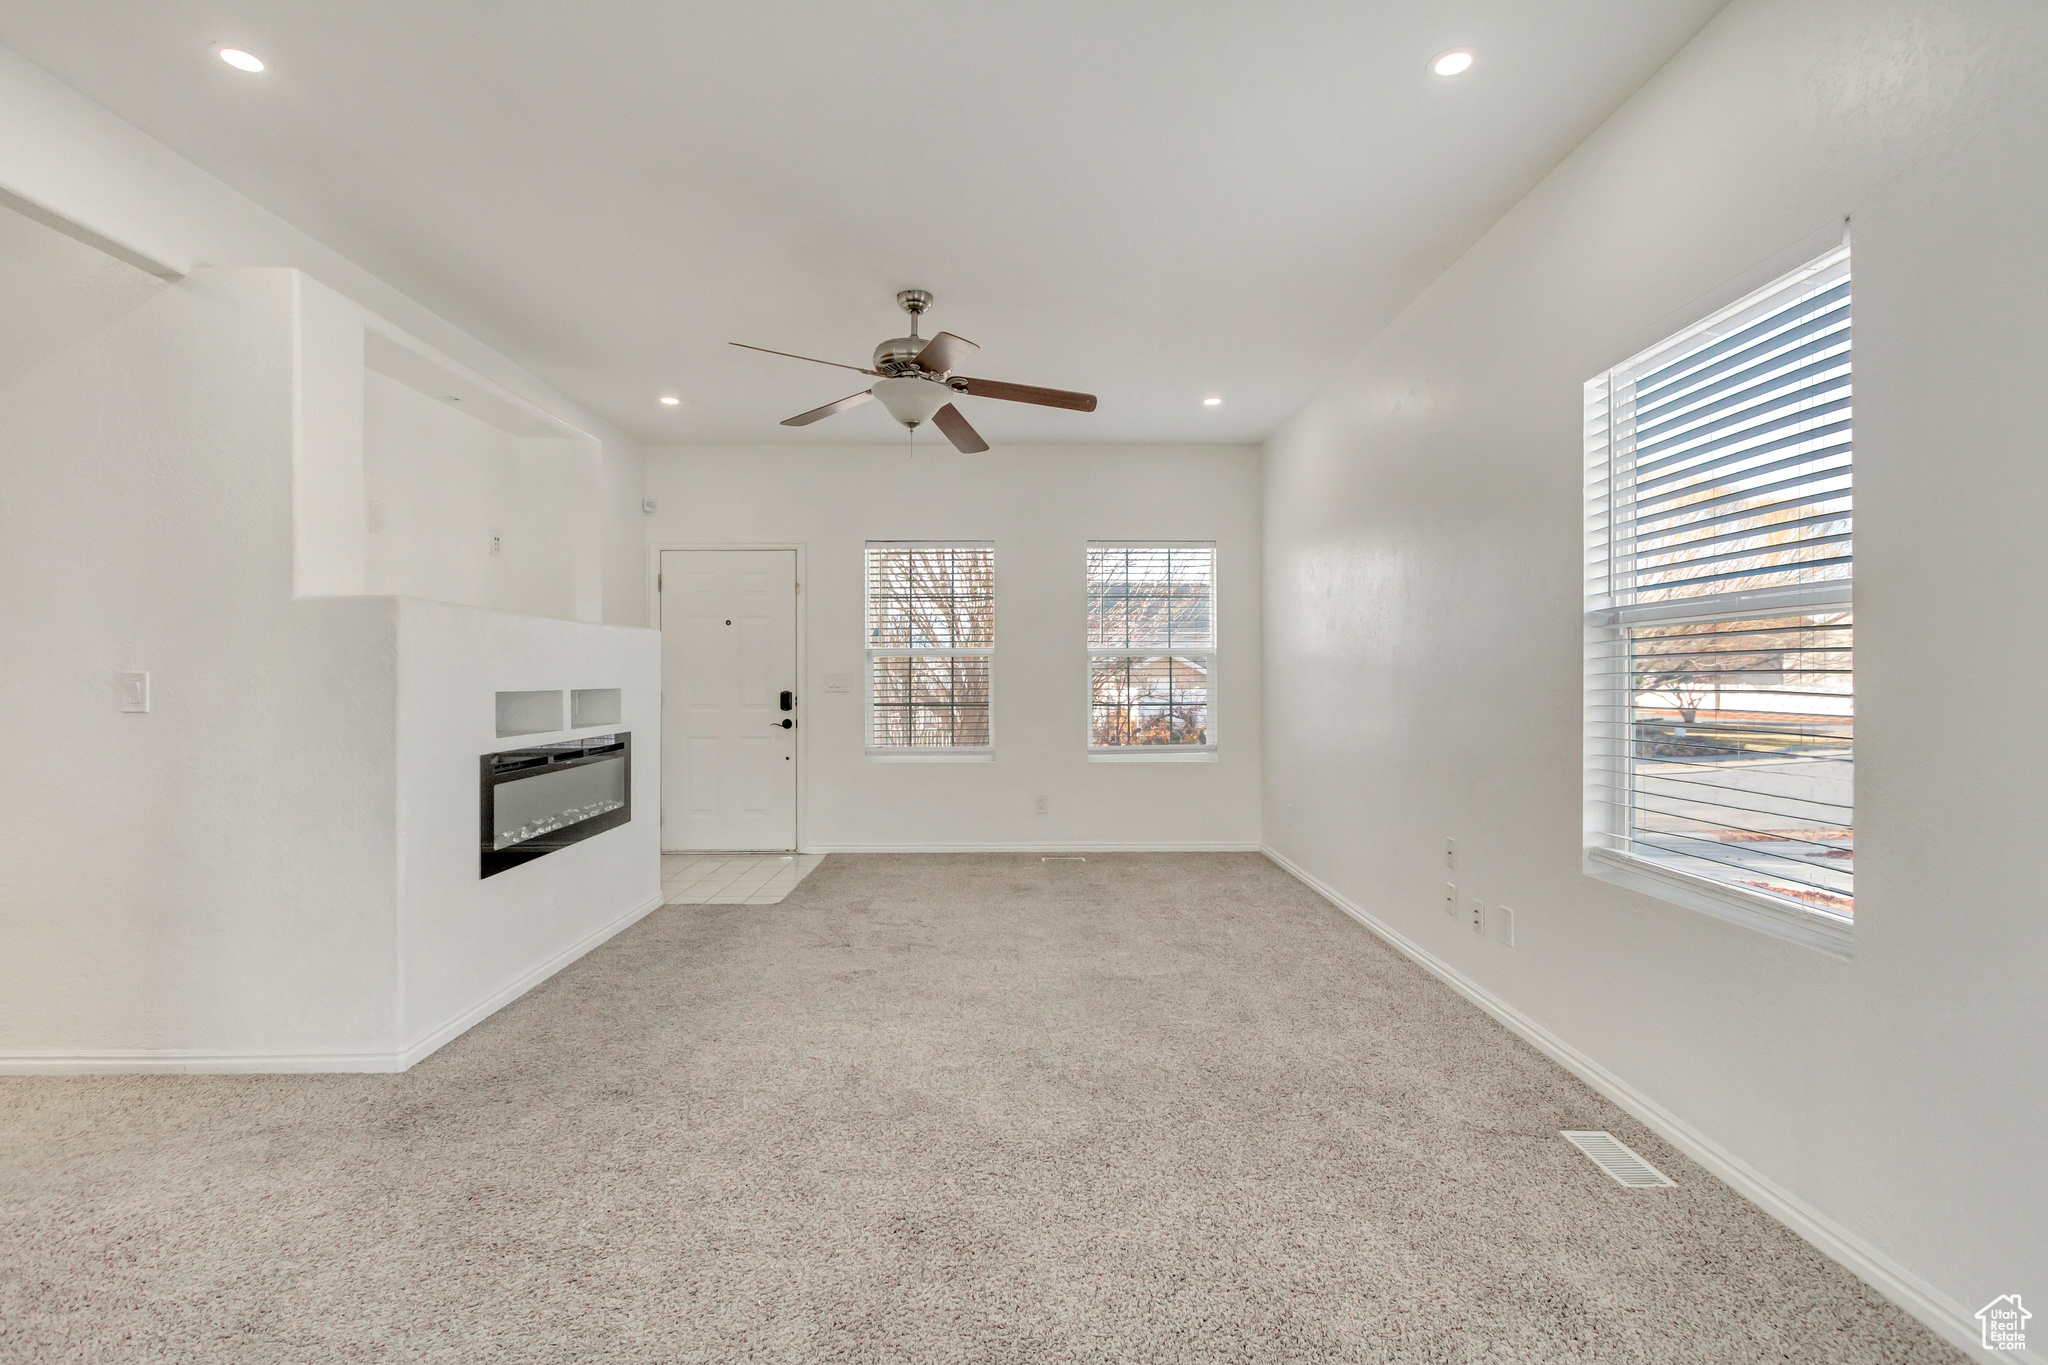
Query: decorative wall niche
<point x="485" y="500"/>
<point x="528" y="713"/>
<point x="595" y="706"/>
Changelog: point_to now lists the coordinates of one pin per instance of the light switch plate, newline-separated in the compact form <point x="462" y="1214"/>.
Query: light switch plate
<point x="839" y="682"/>
<point x="135" y="692"/>
<point x="1507" y="924"/>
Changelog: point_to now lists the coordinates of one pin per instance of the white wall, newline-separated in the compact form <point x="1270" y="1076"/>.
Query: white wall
<point x="1423" y="597"/>
<point x="214" y="877"/>
<point x="1040" y="506"/>
<point x="445" y="482"/>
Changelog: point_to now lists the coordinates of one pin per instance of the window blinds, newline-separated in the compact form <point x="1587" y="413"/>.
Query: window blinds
<point x="931" y="633"/>
<point x="1720" y="644"/>
<point x="1719" y="464"/>
<point x="1151" y="633"/>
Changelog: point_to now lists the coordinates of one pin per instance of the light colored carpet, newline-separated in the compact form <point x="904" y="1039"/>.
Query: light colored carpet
<point x="961" y="1108"/>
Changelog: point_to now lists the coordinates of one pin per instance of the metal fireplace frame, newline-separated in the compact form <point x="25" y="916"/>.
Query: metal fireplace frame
<point x="510" y="765"/>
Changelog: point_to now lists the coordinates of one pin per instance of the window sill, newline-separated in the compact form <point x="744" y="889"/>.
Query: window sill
<point x="931" y="756"/>
<point x="1152" y="754"/>
<point x="1766" y="914"/>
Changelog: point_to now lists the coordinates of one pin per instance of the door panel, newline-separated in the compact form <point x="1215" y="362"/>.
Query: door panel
<point x="728" y="640"/>
<point x="701" y="775"/>
<point x="755" y="772"/>
<point x="700" y="661"/>
<point x="756" y="650"/>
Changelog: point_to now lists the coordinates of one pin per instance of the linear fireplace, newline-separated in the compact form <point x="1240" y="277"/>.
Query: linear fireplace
<point x="535" y="801"/>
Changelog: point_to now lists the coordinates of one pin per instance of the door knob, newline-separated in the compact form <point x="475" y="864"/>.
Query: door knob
<point x="789" y="725"/>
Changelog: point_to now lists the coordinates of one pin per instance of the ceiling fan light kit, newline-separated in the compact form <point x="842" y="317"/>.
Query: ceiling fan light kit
<point x="914" y="380"/>
<point x="912" y="401"/>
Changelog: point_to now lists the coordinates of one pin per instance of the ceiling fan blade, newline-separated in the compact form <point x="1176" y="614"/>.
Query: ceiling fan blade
<point x="965" y="438"/>
<point x="1025" y="393"/>
<point x="814" y="360"/>
<point x="804" y="419"/>
<point x="943" y="352"/>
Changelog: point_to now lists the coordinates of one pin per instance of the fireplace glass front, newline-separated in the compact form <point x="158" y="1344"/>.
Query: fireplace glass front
<point x="535" y="801"/>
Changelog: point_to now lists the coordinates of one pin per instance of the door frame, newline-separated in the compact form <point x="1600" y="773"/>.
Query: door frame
<point x="803" y="656"/>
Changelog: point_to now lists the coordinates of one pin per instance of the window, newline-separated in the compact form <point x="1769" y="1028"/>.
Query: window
<point x="1720" y="674"/>
<point x="931" y="635"/>
<point x="1151" y="643"/>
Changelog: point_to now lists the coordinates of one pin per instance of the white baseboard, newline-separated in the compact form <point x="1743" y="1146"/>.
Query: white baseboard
<point x="197" y="1062"/>
<point x="1048" y="846"/>
<point x="1941" y="1313"/>
<point x="425" y="1045"/>
<point x="142" y="1061"/>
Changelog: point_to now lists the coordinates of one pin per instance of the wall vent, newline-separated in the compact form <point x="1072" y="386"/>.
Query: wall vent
<point x="1613" y="1156"/>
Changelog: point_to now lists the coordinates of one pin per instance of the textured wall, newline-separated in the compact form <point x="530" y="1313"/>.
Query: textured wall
<point x="1040" y="505"/>
<point x="1424" y="588"/>
<point x="216" y="875"/>
<point x="446" y="482"/>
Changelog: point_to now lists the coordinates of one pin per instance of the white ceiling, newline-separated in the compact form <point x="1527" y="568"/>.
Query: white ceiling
<point x="1155" y="202"/>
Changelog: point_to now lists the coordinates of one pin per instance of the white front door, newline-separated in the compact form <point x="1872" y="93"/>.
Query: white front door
<point x="728" y="694"/>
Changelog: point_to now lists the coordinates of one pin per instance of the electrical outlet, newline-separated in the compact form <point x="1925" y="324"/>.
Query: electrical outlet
<point x="1450" y="853"/>
<point x="1507" y="924"/>
<point x="1450" y="900"/>
<point x="1041" y="805"/>
<point x="376" y="518"/>
<point x="1478" y="915"/>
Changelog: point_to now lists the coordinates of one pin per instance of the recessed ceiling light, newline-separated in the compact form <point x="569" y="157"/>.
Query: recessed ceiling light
<point x="1211" y="402"/>
<point x="1451" y="63"/>
<point x="670" y="401"/>
<point x="240" y="60"/>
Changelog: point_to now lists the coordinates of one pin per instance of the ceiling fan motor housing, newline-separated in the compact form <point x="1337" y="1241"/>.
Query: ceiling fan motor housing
<point x="898" y="355"/>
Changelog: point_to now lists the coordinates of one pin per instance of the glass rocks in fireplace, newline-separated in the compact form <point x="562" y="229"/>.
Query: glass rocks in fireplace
<point x="535" y="801"/>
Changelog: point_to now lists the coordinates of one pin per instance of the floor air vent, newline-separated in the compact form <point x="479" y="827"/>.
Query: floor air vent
<point x="1613" y="1156"/>
<point x="1064" y="858"/>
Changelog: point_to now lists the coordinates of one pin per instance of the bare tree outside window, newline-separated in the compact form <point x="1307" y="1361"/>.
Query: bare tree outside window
<point x="931" y="637"/>
<point x="1151" y="642"/>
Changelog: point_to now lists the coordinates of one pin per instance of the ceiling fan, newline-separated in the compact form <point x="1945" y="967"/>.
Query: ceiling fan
<point x="914" y="380"/>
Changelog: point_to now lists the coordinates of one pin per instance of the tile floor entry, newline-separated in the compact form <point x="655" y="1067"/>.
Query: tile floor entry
<point x="733" y="878"/>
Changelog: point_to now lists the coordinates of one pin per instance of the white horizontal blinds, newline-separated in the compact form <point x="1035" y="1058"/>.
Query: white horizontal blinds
<point x="1151" y="638"/>
<point x="1730" y="451"/>
<point x="931" y="633"/>
<point x="1720" y="650"/>
<point x="1159" y="597"/>
<point x="1599" y="493"/>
